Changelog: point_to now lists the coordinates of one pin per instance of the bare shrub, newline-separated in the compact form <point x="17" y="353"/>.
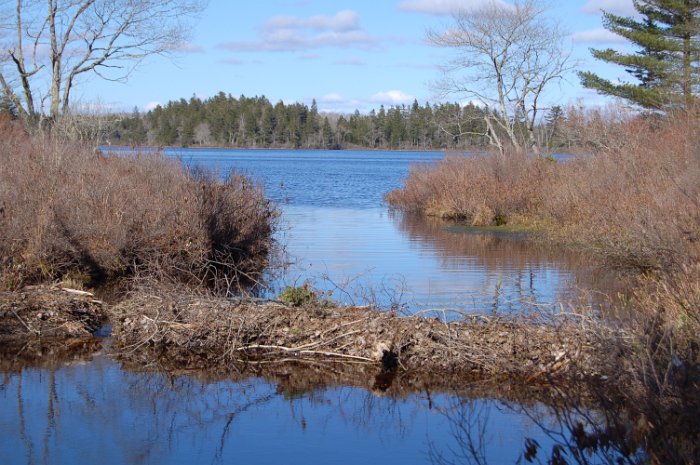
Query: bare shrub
<point x="484" y="189"/>
<point x="663" y="360"/>
<point x="636" y="202"/>
<point x="68" y="210"/>
<point x="633" y="197"/>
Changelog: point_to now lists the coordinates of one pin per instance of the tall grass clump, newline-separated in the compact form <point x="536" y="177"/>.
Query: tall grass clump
<point x="71" y="212"/>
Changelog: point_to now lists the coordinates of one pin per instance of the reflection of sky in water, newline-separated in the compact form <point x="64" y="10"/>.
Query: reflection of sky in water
<point x="98" y="413"/>
<point x="363" y="249"/>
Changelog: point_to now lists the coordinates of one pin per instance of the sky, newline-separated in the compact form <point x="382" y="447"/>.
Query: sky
<point x="346" y="55"/>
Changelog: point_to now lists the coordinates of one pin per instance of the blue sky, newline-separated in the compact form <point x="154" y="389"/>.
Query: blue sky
<point x="347" y="55"/>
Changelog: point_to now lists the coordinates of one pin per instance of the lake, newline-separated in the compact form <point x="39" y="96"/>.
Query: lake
<point x="79" y="405"/>
<point x="338" y="235"/>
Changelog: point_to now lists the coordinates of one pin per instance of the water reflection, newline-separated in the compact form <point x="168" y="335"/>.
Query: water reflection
<point x="512" y="270"/>
<point x="559" y="432"/>
<point x="101" y="412"/>
<point x="390" y="258"/>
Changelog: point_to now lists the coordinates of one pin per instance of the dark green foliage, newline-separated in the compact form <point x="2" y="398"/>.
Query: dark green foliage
<point x="298" y="296"/>
<point x="227" y="121"/>
<point x="666" y="64"/>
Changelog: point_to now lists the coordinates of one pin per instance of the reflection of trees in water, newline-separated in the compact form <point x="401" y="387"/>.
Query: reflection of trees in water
<point x="144" y="418"/>
<point x="137" y="418"/>
<point x="516" y="272"/>
<point x="566" y="430"/>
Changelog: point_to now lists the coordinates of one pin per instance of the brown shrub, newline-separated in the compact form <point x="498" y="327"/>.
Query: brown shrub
<point x="638" y="204"/>
<point x="632" y="196"/>
<point x="484" y="189"/>
<point x="636" y="200"/>
<point x="663" y="360"/>
<point x="70" y="211"/>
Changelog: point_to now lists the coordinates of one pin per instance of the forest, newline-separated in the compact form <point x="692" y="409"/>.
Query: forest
<point x="254" y="122"/>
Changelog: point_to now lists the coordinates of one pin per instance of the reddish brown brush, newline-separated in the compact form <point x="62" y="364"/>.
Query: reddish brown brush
<point x="70" y="211"/>
<point x="636" y="199"/>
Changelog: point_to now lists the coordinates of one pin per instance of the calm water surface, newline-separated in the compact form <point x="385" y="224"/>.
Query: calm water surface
<point x="339" y="236"/>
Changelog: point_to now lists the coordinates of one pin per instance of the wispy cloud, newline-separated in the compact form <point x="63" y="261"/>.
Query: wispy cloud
<point x="391" y="97"/>
<point x="294" y="34"/>
<point x="430" y="66"/>
<point x="332" y="98"/>
<point x="623" y="7"/>
<point x="346" y="20"/>
<point x="445" y="7"/>
<point x="233" y="61"/>
<point x="596" y="36"/>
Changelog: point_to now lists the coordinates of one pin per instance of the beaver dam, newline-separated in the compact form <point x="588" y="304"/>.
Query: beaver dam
<point x="185" y="331"/>
<point x="201" y="332"/>
<point x="561" y="365"/>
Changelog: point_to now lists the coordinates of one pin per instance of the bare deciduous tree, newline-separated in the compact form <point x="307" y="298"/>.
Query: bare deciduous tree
<point x="506" y="55"/>
<point x="47" y="45"/>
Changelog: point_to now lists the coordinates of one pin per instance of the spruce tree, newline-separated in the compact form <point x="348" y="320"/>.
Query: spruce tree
<point x="666" y="64"/>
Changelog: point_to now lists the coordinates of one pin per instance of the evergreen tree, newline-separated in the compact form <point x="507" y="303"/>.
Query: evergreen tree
<point x="666" y="65"/>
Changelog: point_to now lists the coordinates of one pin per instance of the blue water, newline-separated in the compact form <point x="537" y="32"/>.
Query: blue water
<point x="94" y="412"/>
<point x="338" y="235"/>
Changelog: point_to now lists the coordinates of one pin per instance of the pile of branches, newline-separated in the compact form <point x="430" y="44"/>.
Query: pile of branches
<point x="49" y="311"/>
<point x="205" y="332"/>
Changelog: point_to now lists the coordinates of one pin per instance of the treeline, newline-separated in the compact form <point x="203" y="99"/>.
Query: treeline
<point x="254" y="122"/>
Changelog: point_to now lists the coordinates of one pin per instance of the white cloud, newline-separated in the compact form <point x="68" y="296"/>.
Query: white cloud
<point x="622" y="7"/>
<point x="392" y="97"/>
<point x="151" y="106"/>
<point x="445" y="7"/>
<point x="597" y="36"/>
<point x="346" y="20"/>
<point x="290" y="33"/>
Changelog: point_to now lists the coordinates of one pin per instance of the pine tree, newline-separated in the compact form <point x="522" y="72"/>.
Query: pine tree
<point x="666" y="65"/>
